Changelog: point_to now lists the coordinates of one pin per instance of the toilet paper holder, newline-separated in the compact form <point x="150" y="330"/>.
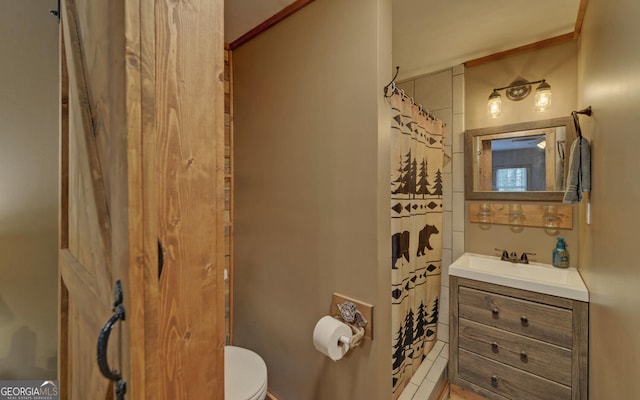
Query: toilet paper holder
<point x="350" y="315"/>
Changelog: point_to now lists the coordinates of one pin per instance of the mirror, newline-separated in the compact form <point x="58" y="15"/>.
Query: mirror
<point x="525" y="161"/>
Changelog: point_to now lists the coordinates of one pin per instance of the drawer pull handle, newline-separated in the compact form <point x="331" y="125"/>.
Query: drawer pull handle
<point x="495" y="312"/>
<point x="494" y="381"/>
<point x="524" y="320"/>
<point x="494" y="347"/>
<point x="523" y="356"/>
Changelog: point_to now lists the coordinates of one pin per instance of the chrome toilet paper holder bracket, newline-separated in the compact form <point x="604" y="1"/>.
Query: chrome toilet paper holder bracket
<point x="351" y="316"/>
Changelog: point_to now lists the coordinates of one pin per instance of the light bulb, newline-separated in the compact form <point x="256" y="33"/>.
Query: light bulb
<point x="494" y="106"/>
<point x="543" y="97"/>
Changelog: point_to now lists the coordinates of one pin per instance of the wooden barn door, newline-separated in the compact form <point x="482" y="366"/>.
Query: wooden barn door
<point x="141" y="197"/>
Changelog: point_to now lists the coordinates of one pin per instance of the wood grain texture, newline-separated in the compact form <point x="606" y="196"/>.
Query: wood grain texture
<point x="471" y="181"/>
<point x="543" y="359"/>
<point x="459" y="393"/>
<point x="229" y="189"/>
<point x="141" y="198"/>
<point x="580" y="351"/>
<point x="481" y="392"/>
<point x="63" y="182"/>
<point x="63" y="341"/>
<point x="548" y="323"/>
<point x="550" y="160"/>
<point x="454" y="328"/>
<point x="89" y="221"/>
<point x="533" y="215"/>
<point x="582" y="9"/>
<point x="85" y="255"/>
<point x="132" y="72"/>
<point x="102" y="201"/>
<point x="189" y="123"/>
<point x="522" y="49"/>
<point x="561" y="370"/>
<point x="63" y="223"/>
<point x="507" y="381"/>
<point x="518" y="293"/>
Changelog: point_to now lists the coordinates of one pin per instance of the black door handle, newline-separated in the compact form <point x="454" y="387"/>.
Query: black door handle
<point x="103" y="343"/>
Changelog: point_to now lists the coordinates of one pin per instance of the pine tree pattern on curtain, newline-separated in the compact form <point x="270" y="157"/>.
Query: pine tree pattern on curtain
<point x="416" y="224"/>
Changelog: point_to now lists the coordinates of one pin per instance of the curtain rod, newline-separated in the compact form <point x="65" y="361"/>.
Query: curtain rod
<point x="390" y="89"/>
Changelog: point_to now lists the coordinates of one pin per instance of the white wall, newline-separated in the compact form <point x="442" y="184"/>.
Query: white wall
<point x="609" y="81"/>
<point x="28" y="189"/>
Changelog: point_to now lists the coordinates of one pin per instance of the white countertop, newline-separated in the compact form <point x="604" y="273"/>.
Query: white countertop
<point x="535" y="277"/>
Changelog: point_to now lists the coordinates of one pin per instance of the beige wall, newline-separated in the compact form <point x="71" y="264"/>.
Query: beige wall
<point x="609" y="66"/>
<point x="28" y="183"/>
<point x="559" y="66"/>
<point x="311" y="194"/>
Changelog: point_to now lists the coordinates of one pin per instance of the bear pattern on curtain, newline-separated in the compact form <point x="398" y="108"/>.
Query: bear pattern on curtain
<point x="417" y="153"/>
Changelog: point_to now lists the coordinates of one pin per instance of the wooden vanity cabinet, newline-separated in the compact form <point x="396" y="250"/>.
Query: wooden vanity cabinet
<point x="515" y="344"/>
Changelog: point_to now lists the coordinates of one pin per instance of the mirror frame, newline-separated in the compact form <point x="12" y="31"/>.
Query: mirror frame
<point x="471" y="134"/>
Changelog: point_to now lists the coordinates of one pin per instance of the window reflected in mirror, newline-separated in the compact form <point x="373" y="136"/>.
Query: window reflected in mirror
<point x="521" y="161"/>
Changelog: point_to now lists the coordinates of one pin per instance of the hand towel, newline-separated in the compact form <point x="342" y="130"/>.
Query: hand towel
<point x="579" y="174"/>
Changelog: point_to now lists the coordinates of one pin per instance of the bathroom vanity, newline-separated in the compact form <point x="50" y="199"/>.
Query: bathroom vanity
<point x="518" y="331"/>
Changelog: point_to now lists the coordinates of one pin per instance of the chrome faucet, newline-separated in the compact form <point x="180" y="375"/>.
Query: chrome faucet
<point x="513" y="257"/>
<point x="524" y="259"/>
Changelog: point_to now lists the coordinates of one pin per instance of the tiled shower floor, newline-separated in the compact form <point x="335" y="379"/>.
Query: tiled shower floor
<point x="431" y="377"/>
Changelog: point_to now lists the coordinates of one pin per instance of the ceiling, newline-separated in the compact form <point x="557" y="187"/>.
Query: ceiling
<point x="429" y="35"/>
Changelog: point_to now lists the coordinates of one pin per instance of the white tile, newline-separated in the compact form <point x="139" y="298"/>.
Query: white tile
<point x="445" y="351"/>
<point x="408" y="392"/>
<point x="407" y="86"/>
<point x="458" y="244"/>
<point x="444" y="269"/>
<point x="445" y="115"/>
<point x="434" y="91"/>
<point x="458" y="94"/>
<point x="457" y="69"/>
<point x="448" y="166"/>
<point x="458" y="217"/>
<point x="457" y="133"/>
<point x="444" y="275"/>
<point x="437" y="370"/>
<point x="444" y="302"/>
<point x="425" y="390"/>
<point x="458" y="172"/>
<point x="443" y="330"/>
<point x="446" y="230"/>
<point x="422" y="371"/>
<point x="447" y="195"/>
<point x="446" y="258"/>
<point x="435" y="351"/>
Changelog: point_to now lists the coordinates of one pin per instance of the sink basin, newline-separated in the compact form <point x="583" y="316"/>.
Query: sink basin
<point x="535" y="277"/>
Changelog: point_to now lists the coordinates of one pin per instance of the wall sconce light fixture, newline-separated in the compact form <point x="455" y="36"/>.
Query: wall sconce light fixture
<point x="518" y="90"/>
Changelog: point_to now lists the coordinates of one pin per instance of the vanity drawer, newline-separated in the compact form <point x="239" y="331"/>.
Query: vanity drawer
<point x="531" y="355"/>
<point x="540" y="321"/>
<point x="507" y="381"/>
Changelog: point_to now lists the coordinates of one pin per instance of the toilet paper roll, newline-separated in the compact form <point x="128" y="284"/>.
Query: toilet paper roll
<point x="326" y="337"/>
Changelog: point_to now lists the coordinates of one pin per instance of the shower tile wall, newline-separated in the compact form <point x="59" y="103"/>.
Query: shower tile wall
<point x="443" y="94"/>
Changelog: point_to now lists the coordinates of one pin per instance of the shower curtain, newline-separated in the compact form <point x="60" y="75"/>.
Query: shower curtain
<point x="416" y="241"/>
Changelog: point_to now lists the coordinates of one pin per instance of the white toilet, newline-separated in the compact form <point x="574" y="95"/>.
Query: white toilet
<point x="245" y="375"/>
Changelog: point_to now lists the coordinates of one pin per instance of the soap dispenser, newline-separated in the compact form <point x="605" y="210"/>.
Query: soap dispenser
<point x="560" y="254"/>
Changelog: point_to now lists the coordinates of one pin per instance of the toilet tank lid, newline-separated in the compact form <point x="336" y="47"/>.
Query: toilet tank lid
<point x="245" y="373"/>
